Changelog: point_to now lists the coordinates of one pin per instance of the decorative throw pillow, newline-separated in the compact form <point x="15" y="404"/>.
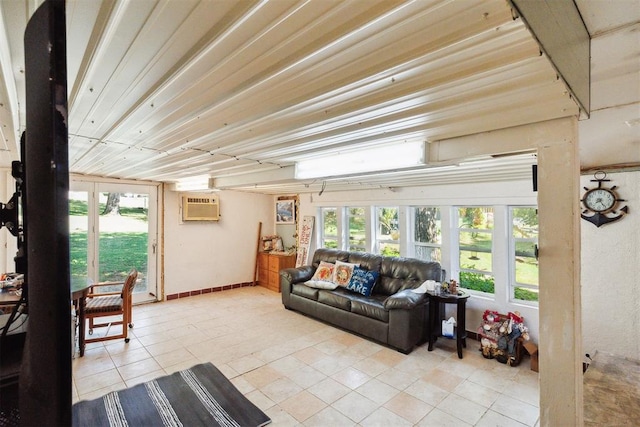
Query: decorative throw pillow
<point x="320" y="284"/>
<point x="343" y="272"/>
<point x="362" y="281"/>
<point x="324" y="272"/>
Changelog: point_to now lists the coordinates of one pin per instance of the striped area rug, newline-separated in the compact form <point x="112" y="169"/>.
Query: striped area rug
<point x="199" y="396"/>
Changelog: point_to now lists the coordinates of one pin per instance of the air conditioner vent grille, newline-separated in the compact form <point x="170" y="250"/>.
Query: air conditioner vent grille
<point x="200" y="208"/>
<point x="199" y="200"/>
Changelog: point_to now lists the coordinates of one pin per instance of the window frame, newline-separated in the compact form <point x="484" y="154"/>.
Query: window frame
<point x="456" y="231"/>
<point x="377" y="241"/>
<point x="347" y="236"/>
<point x="502" y="243"/>
<point x="323" y="236"/>
<point x="513" y="283"/>
<point x="413" y="243"/>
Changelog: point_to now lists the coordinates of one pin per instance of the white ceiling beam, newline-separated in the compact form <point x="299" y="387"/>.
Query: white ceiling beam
<point x="280" y="175"/>
<point x="514" y="140"/>
<point x="562" y="35"/>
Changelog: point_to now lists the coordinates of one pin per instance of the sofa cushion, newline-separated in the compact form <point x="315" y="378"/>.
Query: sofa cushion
<point x="342" y="273"/>
<point x="336" y="298"/>
<point x="370" y="306"/>
<point x="399" y="273"/>
<point x="328" y="255"/>
<point x="305" y="291"/>
<point x="391" y="285"/>
<point x="367" y="261"/>
<point x="362" y="281"/>
<point x="406" y="299"/>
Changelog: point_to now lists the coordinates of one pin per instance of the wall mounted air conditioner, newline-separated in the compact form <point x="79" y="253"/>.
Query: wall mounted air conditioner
<point x="200" y="208"/>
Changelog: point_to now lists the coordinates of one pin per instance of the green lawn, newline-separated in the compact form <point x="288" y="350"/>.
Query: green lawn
<point x="475" y="254"/>
<point x="79" y="208"/>
<point x="119" y="251"/>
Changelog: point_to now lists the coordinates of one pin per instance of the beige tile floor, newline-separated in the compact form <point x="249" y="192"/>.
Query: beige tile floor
<point x="302" y="372"/>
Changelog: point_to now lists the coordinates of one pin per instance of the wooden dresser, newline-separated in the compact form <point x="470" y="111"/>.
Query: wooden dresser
<point x="269" y="266"/>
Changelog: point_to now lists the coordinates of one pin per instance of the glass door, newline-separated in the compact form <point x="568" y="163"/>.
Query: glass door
<point x="80" y="240"/>
<point x="113" y="228"/>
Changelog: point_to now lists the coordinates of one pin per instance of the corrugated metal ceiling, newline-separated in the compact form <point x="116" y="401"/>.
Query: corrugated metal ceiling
<point x="240" y="90"/>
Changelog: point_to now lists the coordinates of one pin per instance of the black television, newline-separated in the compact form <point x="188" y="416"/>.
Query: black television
<point x="42" y="178"/>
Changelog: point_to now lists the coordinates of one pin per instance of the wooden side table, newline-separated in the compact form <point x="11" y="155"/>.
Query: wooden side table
<point x="436" y="302"/>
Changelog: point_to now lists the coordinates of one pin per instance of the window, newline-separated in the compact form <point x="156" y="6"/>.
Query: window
<point x="113" y="228"/>
<point x="330" y="228"/>
<point x="427" y="233"/>
<point x="524" y="265"/>
<point x="387" y="233"/>
<point x="357" y="229"/>
<point x="475" y="235"/>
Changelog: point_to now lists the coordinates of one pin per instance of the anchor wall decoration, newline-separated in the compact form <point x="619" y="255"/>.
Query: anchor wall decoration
<point x="601" y="202"/>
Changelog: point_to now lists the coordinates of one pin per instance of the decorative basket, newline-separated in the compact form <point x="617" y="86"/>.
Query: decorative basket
<point x="494" y="337"/>
<point x="488" y="348"/>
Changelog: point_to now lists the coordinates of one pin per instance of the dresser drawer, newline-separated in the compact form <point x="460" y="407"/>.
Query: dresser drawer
<point x="274" y="280"/>
<point x="269" y="267"/>
<point x="274" y="263"/>
<point x="263" y="277"/>
<point x="263" y="261"/>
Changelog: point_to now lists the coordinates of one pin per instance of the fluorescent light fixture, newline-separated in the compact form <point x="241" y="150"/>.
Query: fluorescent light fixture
<point x="383" y="158"/>
<point x="202" y="183"/>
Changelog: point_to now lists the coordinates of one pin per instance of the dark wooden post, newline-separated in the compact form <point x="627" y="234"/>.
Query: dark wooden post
<point x="45" y="377"/>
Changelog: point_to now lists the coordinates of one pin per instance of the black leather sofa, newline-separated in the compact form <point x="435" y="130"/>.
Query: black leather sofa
<point x="392" y="315"/>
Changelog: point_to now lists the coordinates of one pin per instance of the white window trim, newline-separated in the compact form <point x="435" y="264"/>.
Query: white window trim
<point x="410" y="242"/>
<point x="376" y="221"/>
<point x="324" y="237"/>
<point x="367" y="228"/>
<point x="512" y="255"/>
<point x="455" y="253"/>
<point x="501" y="248"/>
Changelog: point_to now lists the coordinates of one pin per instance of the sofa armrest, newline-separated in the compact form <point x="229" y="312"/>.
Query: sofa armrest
<point x="297" y="275"/>
<point x="405" y="300"/>
<point x="289" y="276"/>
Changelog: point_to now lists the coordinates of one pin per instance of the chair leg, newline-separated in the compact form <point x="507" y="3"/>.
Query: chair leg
<point x="93" y="324"/>
<point x="130" y="321"/>
<point x="126" y="318"/>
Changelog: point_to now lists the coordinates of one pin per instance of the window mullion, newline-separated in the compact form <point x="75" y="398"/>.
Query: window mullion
<point x="501" y="253"/>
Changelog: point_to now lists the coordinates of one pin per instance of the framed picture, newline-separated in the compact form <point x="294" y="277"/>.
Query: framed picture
<point x="285" y="212"/>
<point x="272" y="243"/>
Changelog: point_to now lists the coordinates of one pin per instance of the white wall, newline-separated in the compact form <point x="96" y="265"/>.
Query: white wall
<point x="494" y="194"/>
<point x="611" y="275"/>
<point x="201" y="255"/>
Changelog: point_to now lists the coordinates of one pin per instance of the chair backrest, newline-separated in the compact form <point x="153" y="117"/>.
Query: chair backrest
<point x="130" y="283"/>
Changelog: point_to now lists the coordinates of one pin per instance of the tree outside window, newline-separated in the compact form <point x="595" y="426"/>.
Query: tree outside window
<point x="330" y="228"/>
<point x="427" y="233"/>
<point x="524" y="238"/>
<point x="357" y="229"/>
<point x="475" y="236"/>
<point x="387" y="231"/>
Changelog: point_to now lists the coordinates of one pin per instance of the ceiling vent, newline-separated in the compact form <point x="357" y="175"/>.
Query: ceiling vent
<point x="200" y="208"/>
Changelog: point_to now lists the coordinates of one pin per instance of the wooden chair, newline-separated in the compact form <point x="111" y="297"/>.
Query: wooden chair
<point x="99" y="305"/>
